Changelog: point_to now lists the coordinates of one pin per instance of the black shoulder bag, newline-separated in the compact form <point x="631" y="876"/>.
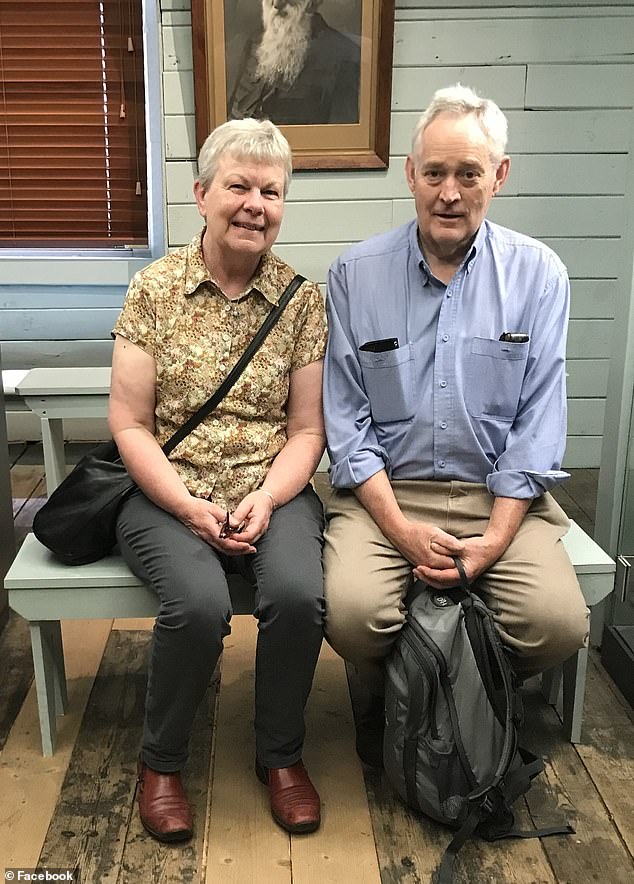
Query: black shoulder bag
<point x="78" y="521"/>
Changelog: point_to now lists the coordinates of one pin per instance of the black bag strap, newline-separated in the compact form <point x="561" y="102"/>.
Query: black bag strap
<point x="510" y="737"/>
<point x="237" y="369"/>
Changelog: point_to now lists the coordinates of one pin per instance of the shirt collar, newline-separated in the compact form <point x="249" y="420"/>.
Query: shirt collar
<point x="468" y="261"/>
<point x="265" y="281"/>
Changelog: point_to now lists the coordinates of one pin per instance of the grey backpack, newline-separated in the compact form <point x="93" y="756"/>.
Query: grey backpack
<point x="453" y="712"/>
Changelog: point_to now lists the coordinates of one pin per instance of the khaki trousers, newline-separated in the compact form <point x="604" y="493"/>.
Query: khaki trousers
<point x="532" y="589"/>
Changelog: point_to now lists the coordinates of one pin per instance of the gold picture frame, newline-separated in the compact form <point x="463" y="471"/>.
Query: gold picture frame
<point x="224" y="34"/>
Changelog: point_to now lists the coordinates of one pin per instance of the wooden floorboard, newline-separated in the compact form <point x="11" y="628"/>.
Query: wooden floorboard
<point x="17" y="672"/>
<point x="29" y="783"/>
<point x="90" y="823"/>
<point x="566" y="788"/>
<point x="244" y="843"/>
<point x="143" y="858"/>
<point x="607" y="751"/>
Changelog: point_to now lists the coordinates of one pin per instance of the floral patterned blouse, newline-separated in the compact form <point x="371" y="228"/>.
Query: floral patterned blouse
<point x="176" y="313"/>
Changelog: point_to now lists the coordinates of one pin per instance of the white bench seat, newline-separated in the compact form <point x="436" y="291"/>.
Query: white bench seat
<point x="44" y="591"/>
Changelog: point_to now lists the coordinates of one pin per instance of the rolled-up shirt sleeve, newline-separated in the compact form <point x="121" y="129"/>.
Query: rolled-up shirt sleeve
<point x="354" y="451"/>
<point x="535" y="445"/>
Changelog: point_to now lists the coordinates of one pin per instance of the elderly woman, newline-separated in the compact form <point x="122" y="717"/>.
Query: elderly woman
<point x="186" y="320"/>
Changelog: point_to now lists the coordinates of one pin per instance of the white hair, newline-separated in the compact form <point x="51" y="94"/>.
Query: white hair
<point x="252" y="140"/>
<point x="282" y="51"/>
<point x="463" y="101"/>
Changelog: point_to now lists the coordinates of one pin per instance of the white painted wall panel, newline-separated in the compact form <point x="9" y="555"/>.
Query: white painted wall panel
<point x="567" y="131"/>
<point x="512" y="41"/>
<point x="180" y="137"/>
<point x="575" y="85"/>
<point x="53" y="324"/>
<point x="569" y="174"/>
<point x="178" y="18"/>
<point x="177" y="46"/>
<point x="169" y="5"/>
<point x="42" y="354"/>
<point x="587" y="377"/>
<point x="413" y="10"/>
<point x="413" y="87"/>
<point x="589" y="338"/>
<point x="585" y="417"/>
<point x="582" y="452"/>
<point x="587" y="258"/>
<point x="592" y="298"/>
<point x="69" y="271"/>
<point x="313" y="260"/>
<point x="178" y="92"/>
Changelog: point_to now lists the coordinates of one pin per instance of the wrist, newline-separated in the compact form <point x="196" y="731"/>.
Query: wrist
<point x="274" y="503"/>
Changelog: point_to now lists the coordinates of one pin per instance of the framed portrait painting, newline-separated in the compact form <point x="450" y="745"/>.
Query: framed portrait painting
<point x="320" y="69"/>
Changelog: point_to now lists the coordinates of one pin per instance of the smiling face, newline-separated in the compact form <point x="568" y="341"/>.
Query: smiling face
<point x="453" y="181"/>
<point x="243" y="208"/>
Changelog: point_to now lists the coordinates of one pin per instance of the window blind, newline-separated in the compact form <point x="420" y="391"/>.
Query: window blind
<point x="72" y="124"/>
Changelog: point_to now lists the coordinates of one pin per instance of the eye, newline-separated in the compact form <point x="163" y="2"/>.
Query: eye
<point x="469" y="175"/>
<point x="239" y="188"/>
<point x="432" y="175"/>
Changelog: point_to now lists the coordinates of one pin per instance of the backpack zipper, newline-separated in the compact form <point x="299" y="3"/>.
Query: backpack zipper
<point x="432" y="678"/>
<point x="435" y="651"/>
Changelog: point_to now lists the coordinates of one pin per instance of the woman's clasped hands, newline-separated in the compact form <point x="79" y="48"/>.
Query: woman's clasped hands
<point x="232" y="533"/>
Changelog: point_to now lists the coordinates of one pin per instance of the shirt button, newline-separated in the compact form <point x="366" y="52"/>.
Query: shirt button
<point x="449" y="293"/>
<point x="442" y="384"/>
<point x="443" y="425"/>
<point x="441" y="464"/>
<point x="445" y="337"/>
<point x="228" y="308"/>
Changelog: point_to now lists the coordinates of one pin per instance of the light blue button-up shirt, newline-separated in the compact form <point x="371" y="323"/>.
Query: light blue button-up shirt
<point x="450" y="400"/>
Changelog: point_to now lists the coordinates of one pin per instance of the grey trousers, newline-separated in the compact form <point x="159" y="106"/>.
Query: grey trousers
<point x="189" y="578"/>
<point x="532" y="589"/>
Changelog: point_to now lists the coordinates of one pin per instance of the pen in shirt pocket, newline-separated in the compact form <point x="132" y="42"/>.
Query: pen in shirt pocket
<point x="514" y="337"/>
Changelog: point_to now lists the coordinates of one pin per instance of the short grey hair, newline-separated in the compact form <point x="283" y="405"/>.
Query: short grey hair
<point x="258" y="141"/>
<point x="463" y="101"/>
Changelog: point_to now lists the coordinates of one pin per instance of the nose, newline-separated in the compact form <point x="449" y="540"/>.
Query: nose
<point x="449" y="192"/>
<point x="253" y="201"/>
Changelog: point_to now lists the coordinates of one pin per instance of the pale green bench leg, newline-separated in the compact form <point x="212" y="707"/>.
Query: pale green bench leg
<point x="551" y="685"/>
<point x="575" y="669"/>
<point x="61" y="695"/>
<point x="50" y="678"/>
<point x="574" y="683"/>
<point x="53" y="445"/>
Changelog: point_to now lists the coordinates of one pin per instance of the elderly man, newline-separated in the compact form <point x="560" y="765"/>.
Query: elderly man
<point x="445" y="409"/>
<point x="297" y="71"/>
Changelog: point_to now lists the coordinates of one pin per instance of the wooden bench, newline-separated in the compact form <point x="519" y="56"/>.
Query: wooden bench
<point x="44" y="592"/>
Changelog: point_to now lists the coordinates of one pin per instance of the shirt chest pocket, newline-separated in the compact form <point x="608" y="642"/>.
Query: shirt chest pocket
<point x="389" y="383"/>
<point x="494" y="378"/>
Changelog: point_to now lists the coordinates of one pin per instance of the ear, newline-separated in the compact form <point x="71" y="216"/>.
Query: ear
<point x="199" y="194"/>
<point x="410" y="173"/>
<point x="502" y="173"/>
